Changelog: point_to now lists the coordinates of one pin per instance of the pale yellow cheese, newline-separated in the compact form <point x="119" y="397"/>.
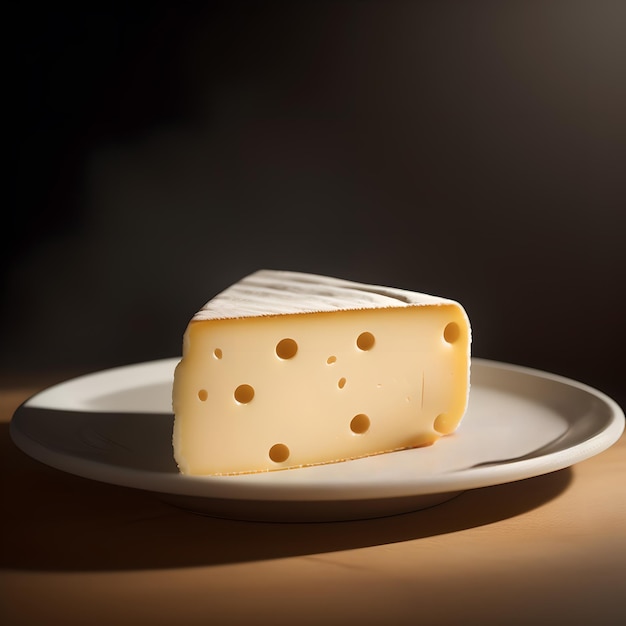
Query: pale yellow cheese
<point x="285" y="370"/>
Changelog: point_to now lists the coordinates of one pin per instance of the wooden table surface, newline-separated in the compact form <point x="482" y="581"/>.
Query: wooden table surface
<point x="546" y="550"/>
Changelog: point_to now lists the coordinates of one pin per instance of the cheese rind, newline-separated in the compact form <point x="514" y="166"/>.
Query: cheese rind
<point x="285" y="370"/>
<point x="272" y="292"/>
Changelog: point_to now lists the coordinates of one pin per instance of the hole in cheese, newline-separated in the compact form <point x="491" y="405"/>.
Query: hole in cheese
<point x="217" y="353"/>
<point x="443" y="424"/>
<point x="203" y="394"/>
<point x="244" y="394"/>
<point x="286" y="349"/>
<point x="360" y="424"/>
<point x="365" y="341"/>
<point x="452" y="332"/>
<point x="279" y="453"/>
<point x="341" y="383"/>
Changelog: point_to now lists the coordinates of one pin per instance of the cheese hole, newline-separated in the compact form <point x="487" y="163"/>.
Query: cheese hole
<point x="279" y="453"/>
<point x="203" y="394"/>
<point x="443" y="424"/>
<point x="331" y="359"/>
<point x="217" y="353"/>
<point x="360" y="424"/>
<point x="341" y="383"/>
<point x="244" y="394"/>
<point x="451" y="332"/>
<point x="365" y="341"/>
<point x="286" y="349"/>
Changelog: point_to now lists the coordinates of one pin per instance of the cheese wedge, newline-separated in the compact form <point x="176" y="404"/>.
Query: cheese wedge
<point x="285" y="370"/>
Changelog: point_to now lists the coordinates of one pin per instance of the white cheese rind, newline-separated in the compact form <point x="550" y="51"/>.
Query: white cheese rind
<point x="271" y="292"/>
<point x="276" y="374"/>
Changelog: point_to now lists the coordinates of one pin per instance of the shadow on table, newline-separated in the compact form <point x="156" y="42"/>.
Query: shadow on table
<point x="54" y="521"/>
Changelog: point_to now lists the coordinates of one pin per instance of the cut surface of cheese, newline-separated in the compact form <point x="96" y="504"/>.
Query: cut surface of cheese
<point x="285" y="370"/>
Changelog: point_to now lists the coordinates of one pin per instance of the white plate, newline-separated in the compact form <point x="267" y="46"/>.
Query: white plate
<point x="115" y="426"/>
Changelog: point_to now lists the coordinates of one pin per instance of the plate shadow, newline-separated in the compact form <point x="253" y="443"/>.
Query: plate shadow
<point x="55" y="521"/>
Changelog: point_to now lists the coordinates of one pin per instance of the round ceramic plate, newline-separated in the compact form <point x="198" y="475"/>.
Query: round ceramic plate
<point x="115" y="426"/>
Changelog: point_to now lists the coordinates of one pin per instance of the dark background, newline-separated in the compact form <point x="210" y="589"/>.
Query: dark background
<point x="474" y="150"/>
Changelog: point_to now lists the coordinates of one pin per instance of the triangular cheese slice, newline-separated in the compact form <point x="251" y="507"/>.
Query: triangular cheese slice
<point x="286" y="370"/>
